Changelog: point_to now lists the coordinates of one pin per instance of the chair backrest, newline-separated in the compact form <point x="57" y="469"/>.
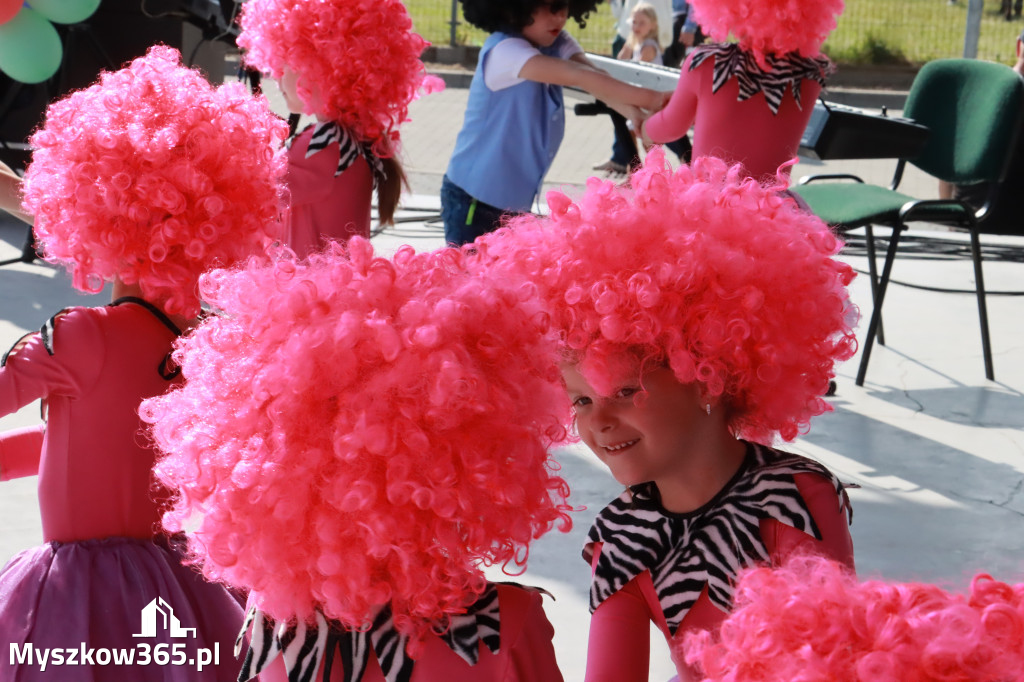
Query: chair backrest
<point x="972" y="109"/>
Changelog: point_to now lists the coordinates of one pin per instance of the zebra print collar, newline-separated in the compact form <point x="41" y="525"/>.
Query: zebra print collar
<point x="304" y="646"/>
<point x="325" y="134"/>
<point x="783" y="72"/>
<point x="685" y="552"/>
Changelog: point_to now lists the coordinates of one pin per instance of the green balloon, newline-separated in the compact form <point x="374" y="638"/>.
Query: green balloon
<point x="65" y="11"/>
<point x="30" y="49"/>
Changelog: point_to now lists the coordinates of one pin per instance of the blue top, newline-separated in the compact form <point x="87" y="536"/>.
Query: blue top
<point x="509" y="137"/>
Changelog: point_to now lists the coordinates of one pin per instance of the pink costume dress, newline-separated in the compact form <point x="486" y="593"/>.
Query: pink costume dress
<point x="331" y="179"/>
<point x="740" y="112"/>
<point x="104" y="560"/>
<point x="503" y="637"/>
<point x="679" y="569"/>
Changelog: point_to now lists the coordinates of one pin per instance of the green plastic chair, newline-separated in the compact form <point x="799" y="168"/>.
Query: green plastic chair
<point x="973" y="112"/>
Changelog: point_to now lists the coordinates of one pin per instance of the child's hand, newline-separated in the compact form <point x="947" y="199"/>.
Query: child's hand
<point x="635" y="115"/>
<point x="644" y="140"/>
<point x="658" y="100"/>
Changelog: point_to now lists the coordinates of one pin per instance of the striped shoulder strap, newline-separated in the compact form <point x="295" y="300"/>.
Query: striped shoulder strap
<point x="706" y="548"/>
<point x="349" y="149"/>
<point x="787" y="71"/>
<point x="304" y="646"/>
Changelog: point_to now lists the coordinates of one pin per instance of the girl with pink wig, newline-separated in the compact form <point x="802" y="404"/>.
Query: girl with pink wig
<point x="750" y="101"/>
<point x="359" y="435"/>
<point x="700" y="317"/>
<point x="812" y="620"/>
<point x="145" y="179"/>
<point x="355" y="66"/>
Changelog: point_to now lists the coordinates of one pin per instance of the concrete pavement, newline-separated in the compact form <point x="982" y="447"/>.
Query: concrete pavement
<point x="937" y="450"/>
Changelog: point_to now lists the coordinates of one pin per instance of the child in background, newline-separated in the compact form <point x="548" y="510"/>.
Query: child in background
<point x="144" y="179"/>
<point x="515" y="117"/>
<point x="750" y="101"/>
<point x="359" y="435"/>
<point x="642" y="44"/>
<point x="354" y="66"/>
<point x="700" y="316"/>
<point x="812" y="620"/>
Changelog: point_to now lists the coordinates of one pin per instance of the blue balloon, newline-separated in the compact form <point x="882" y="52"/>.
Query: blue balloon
<point x="65" y="11"/>
<point x="30" y="49"/>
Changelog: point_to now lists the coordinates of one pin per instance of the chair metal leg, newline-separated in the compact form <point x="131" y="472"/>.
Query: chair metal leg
<point x="876" y="313"/>
<point x="986" y="345"/>
<point x="869" y="233"/>
<point x="28" y="251"/>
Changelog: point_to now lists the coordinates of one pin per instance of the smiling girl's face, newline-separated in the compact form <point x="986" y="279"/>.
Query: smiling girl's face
<point x="640" y="438"/>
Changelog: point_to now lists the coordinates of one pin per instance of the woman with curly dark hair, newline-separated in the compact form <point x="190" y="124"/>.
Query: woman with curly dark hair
<point x="515" y="117"/>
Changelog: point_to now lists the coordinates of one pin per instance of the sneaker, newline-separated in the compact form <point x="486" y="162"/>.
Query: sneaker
<point x="611" y="167"/>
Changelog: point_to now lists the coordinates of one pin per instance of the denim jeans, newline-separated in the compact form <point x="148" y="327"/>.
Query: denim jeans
<point x="464" y="217"/>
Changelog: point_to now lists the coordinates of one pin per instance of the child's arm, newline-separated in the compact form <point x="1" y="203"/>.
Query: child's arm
<point x="648" y="53"/>
<point x="20" y="450"/>
<point x="675" y="119"/>
<point x="619" y="644"/>
<point x="626" y="53"/>
<point x="829" y="511"/>
<point x="51" y="362"/>
<point x="578" y="72"/>
<point x="10" y="193"/>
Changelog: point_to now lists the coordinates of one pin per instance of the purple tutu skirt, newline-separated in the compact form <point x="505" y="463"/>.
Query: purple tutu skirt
<point x="114" y="609"/>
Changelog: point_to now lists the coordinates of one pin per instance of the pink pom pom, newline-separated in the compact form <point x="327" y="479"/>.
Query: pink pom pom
<point x="698" y="269"/>
<point x="357" y="432"/>
<point x="812" y="619"/>
<point x="127" y="174"/>
<point x="358" y="62"/>
<point x="770" y="27"/>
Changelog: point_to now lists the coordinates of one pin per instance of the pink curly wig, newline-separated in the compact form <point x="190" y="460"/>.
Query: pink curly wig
<point x="357" y="61"/>
<point x="724" y="281"/>
<point x="770" y="27"/>
<point x="153" y="176"/>
<point x="812" y="620"/>
<point x="356" y="432"/>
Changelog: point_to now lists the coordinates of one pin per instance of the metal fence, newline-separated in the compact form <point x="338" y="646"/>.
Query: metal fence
<point x="884" y="32"/>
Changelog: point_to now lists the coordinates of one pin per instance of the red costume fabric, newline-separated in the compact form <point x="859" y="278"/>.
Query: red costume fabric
<point x="328" y="201"/>
<point x="740" y="113"/>
<point x="104" y="558"/>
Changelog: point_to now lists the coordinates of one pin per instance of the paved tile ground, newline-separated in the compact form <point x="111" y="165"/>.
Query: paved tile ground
<point x="937" y="450"/>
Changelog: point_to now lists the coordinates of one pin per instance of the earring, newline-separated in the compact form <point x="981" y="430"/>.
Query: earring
<point x="709" y="409"/>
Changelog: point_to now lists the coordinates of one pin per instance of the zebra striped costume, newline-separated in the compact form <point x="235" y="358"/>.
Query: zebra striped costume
<point x="303" y="647"/>
<point x="349" y="149"/>
<point x="784" y="72"/>
<point x="705" y="547"/>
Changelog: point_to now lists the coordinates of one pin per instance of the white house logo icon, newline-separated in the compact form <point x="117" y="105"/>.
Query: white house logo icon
<point x="159" y="609"/>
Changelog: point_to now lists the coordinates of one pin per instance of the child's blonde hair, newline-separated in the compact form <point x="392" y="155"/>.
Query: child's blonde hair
<point x="647" y="9"/>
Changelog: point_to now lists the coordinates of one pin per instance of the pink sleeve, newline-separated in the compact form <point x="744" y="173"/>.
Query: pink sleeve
<point x="31" y="370"/>
<point x="20" y="450"/>
<point x="672" y="122"/>
<point x="829" y="514"/>
<point x="532" y="653"/>
<point x="619" y="648"/>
